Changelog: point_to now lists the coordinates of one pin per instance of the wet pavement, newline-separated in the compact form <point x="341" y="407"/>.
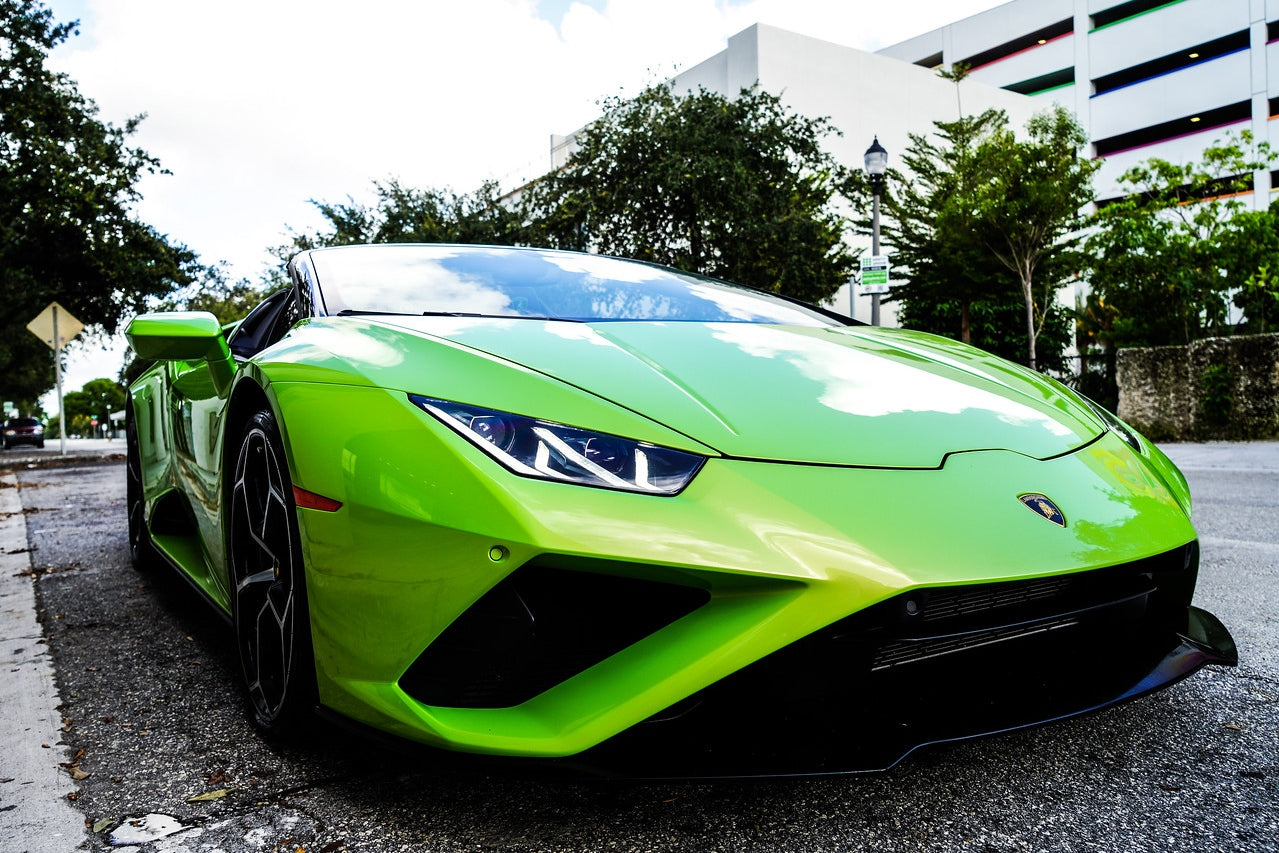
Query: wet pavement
<point x="161" y="757"/>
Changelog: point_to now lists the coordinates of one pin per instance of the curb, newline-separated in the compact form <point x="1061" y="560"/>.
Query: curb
<point x="34" y="812"/>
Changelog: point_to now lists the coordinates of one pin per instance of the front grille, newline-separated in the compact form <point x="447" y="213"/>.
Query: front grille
<point x="948" y="603"/>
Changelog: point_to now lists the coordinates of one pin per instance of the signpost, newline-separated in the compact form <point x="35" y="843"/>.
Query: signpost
<point x="875" y="275"/>
<point x="55" y="326"/>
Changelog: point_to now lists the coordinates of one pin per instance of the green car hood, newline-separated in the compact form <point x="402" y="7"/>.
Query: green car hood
<point x="848" y="396"/>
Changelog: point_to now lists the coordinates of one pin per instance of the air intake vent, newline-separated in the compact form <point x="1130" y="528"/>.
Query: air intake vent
<point x="539" y="627"/>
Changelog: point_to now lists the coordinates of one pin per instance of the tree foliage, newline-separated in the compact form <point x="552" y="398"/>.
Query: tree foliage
<point x="1028" y="207"/>
<point x="216" y="293"/>
<point x="736" y="188"/>
<point x="1166" y="257"/>
<point x="95" y="400"/>
<point x="981" y="220"/>
<point x="947" y="271"/>
<point x="405" y="215"/>
<point x="733" y="188"/>
<point x="67" y="184"/>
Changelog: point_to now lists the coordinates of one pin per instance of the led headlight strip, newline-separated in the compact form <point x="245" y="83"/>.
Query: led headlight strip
<point x="552" y="451"/>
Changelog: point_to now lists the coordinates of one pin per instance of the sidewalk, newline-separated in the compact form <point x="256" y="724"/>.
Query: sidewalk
<point x="79" y="450"/>
<point x="35" y="816"/>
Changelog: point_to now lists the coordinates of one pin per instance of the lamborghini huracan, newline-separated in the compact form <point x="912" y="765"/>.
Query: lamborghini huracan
<point x="608" y="514"/>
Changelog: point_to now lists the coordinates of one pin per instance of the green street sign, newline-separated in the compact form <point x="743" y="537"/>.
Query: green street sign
<point x="875" y="275"/>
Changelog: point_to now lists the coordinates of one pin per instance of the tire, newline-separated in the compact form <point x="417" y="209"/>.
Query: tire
<point x="40" y="445"/>
<point x="268" y="584"/>
<point x="140" y="548"/>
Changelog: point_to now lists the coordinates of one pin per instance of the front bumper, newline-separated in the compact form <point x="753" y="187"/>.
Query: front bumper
<point x="857" y="697"/>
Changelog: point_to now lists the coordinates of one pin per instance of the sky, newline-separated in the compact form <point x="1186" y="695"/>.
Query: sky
<point x="255" y="107"/>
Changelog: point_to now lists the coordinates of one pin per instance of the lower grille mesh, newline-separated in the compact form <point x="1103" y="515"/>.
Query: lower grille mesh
<point x="905" y="651"/>
<point x="946" y="604"/>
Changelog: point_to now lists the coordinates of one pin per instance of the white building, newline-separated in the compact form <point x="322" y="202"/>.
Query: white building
<point x="864" y="94"/>
<point x="1146" y="78"/>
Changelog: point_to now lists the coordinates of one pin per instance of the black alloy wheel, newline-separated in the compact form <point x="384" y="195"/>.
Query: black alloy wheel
<point x="268" y="595"/>
<point x="140" y="548"/>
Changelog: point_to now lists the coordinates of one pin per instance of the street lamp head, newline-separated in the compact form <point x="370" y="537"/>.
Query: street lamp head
<point x="876" y="159"/>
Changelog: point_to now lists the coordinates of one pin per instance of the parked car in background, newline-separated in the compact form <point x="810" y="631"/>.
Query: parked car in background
<point x="23" y="431"/>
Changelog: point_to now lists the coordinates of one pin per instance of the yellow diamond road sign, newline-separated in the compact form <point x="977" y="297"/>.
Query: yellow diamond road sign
<point x="42" y="326"/>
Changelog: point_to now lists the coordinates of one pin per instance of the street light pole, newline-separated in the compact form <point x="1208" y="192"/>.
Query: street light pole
<point x="876" y="165"/>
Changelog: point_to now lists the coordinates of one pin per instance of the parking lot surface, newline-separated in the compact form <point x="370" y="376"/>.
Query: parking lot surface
<point x="160" y="756"/>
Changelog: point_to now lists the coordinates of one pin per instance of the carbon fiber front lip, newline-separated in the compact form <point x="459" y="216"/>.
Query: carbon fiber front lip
<point x="730" y="736"/>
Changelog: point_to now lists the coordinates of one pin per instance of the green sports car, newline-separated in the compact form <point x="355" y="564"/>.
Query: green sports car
<point x="608" y="514"/>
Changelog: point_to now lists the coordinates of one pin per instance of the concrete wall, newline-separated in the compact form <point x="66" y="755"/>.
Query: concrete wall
<point x="1216" y="388"/>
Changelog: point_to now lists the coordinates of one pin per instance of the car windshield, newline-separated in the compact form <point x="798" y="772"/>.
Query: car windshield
<point x="508" y="282"/>
<point x="24" y="422"/>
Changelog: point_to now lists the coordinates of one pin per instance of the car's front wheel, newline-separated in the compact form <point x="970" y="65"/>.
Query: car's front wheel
<point x="268" y="595"/>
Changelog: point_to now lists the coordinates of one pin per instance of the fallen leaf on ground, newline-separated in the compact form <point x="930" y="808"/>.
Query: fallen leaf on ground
<point x="210" y="795"/>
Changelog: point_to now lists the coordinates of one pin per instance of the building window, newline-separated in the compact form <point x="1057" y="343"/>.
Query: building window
<point x="1227" y="187"/>
<point x="1173" y="62"/>
<point x="1184" y="126"/>
<point x="934" y="61"/>
<point x="1127" y="11"/>
<point x="1017" y="45"/>
<point x="1044" y="82"/>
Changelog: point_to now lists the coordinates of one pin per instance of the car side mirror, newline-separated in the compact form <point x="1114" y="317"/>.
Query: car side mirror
<point x="184" y="336"/>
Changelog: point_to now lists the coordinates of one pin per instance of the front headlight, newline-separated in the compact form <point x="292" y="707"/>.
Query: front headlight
<point x="551" y="451"/>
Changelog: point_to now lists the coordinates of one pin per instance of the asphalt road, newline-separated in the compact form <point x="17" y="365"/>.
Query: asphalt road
<point x="154" y="730"/>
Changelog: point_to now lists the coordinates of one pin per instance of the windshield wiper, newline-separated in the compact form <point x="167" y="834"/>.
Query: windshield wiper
<point x="498" y="316"/>
<point x="354" y="312"/>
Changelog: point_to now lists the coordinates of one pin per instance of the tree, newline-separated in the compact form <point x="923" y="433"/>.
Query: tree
<point x="1028" y="207"/>
<point x="405" y="215"/>
<point x="95" y="400"/>
<point x="1165" y="257"/>
<point x="1248" y="253"/>
<point x="983" y="220"/>
<point x="946" y="270"/>
<point x="67" y="184"/>
<point x="214" y="292"/>
<point x="736" y="188"/>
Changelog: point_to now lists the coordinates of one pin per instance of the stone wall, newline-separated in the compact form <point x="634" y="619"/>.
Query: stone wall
<point x="1216" y="388"/>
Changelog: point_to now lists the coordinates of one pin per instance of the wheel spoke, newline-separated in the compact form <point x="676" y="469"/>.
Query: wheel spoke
<point x="267" y="576"/>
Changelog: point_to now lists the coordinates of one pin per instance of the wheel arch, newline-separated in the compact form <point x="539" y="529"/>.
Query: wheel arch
<point x="248" y="397"/>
